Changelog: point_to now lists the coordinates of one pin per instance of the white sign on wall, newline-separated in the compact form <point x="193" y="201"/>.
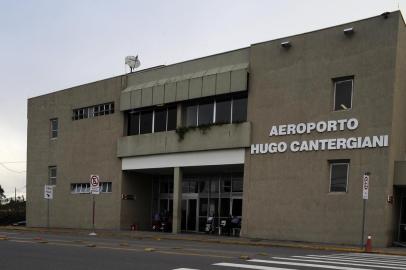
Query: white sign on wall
<point x="94" y="184"/>
<point x="322" y="144"/>
<point x="365" y="186"/>
<point x="48" y="192"/>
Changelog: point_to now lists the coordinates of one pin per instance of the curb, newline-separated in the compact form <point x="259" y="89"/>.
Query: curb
<point x="211" y="240"/>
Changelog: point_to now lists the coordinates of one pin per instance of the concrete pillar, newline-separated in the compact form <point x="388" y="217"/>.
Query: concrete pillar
<point x="177" y="199"/>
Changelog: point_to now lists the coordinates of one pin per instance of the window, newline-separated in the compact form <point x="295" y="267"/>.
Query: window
<point x="237" y="183"/>
<point x="191" y="115"/>
<point x="152" y="120"/>
<point x="223" y="111"/>
<point x="343" y="93"/>
<point x="239" y="113"/>
<point x="205" y="113"/>
<point x="133" y="123"/>
<point x="84" y="188"/>
<point x="160" y="120"/>
<point x="93" y="111"/>
<point x="52" y="175"/>
<point x="54" y="128"/>
<point x="172" y="115"/>
<point x="146" y="122"/>
<point x="105" y="187"/>
<point x="339" y="175"/>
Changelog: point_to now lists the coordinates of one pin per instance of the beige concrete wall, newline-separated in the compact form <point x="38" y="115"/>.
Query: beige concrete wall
<point x="215" y="137"/>
<point x="397" y="174"/>
<point x="138" y="211"/>
<point x="286" y="196"/>
<point x="83" y="147"/>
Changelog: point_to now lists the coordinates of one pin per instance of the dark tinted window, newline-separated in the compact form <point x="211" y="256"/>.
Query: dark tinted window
<point x="146" y="122"/>
<point x="237" y="207"/>
<point x="338" y="177"/>
<point x="239" y="110"/>
<point x="191" y="115"/>
<point x="133" y="124"/>
<point x="171" y="118"/>
<point x="237" y="183"/>
<point x="223" y="111"/>
<point x="160" y="120"/>
<point x="206" y="111"/>
<point x="343" y="94"/>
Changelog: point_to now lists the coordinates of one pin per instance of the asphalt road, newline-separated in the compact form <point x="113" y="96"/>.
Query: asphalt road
<point x="23" y="250"/>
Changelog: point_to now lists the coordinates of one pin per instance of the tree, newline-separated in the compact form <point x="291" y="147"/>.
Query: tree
<point x="2" y="192"/>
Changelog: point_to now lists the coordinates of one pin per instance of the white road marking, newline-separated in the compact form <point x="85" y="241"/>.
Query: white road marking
<point x="250" y="266"/>
<point x="370" y="255"/>
<point x="350" y="259"/>
<point x="339" y="263"/>
<point x="308" y="265"/>
<point x="185" y="269"/>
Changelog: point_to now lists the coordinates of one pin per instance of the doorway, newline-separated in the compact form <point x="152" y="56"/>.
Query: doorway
<point x="189" y="215"/>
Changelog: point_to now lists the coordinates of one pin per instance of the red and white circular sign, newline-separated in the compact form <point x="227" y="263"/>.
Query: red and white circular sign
<point x="94" y="180"/>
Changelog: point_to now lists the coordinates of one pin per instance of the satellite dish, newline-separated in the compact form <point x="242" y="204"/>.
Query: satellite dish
<point x="133" y="62"/>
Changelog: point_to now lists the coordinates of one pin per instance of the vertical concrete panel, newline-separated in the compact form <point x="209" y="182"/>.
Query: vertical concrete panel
<point x="209" y="85"/>
<point x="136" y="99"/>
<point x="182" y="90"/>
<point x="125" y="101"/>
<point x="146" y="98"/>
<point x="238" y="80"/>
<point x="158" y="95"/>
<point x="195" y="89"/>
<point x="223" y="83"/>
<point x="170" y="92"/>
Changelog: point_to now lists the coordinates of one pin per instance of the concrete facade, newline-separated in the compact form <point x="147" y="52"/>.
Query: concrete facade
<point x="286" y="195"/>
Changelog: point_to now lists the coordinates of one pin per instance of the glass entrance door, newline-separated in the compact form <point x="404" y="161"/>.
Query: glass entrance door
<point x="189" y="215"/>
<point x="402" y="221"/>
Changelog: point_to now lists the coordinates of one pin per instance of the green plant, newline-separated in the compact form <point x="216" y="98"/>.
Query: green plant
<point x="181" y="131"/>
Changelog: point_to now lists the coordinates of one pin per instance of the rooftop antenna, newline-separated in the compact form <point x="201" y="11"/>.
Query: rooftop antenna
<point x="133" y="62"/>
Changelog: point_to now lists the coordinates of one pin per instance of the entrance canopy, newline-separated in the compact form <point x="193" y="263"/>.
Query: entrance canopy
<point x="188" y="159"/>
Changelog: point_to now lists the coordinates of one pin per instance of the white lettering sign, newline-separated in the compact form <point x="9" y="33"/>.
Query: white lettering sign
<point x="48" y="192"/>
<point x="375" y="141"/>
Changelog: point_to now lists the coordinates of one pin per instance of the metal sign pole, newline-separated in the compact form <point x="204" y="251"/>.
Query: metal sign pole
<point x="363" y="222"/>
<point x="48" y="214"/>
<point x="94" y="189"/>
<point x="94" y="204"/>
<point x="365" y="191"/>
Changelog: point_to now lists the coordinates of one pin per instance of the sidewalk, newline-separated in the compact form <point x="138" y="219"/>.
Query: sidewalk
<point x="204" y="238"/>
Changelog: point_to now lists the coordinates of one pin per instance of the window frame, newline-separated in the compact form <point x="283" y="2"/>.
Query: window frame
<point x="84" y="188"/>
<point x="339" y="162"/>
<point x="214" y="101"/>
<point x="52" y="179"/>
<point x="340" y="80"/>
<point x="93" y="111"/>
<point x="51" y="128"/>
<point x="138" y="114"/>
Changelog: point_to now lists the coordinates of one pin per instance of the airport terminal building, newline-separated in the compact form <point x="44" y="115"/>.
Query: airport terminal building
<point x="278" y="134"/>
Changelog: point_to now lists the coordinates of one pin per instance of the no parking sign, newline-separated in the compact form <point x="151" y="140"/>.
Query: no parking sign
<point x="94" y="184"/>
<point x="365" y="186"/>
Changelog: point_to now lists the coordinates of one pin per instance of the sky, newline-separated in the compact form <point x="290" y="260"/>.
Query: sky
<point x="48" y="45"/>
